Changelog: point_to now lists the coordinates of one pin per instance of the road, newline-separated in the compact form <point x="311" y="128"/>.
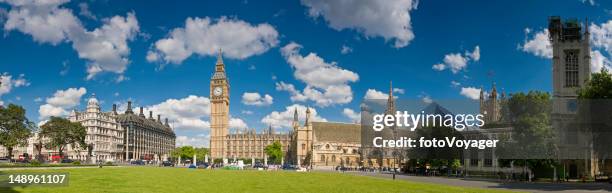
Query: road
<point x="540" y="187"/>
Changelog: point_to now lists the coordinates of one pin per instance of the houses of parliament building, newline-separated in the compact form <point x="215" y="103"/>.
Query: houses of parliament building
<point x="311" y="143"/>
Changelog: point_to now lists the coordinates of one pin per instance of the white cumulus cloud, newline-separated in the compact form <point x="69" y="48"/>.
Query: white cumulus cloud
<point x="326" y="82"/>
<point x="61" y="102"/>
<point x="105" y="48"/>
<point x="201" y="140"/>
<point x="8" y="82"/>
<point x="375" y="94"/>
<point x="456" y="61"/>
<point x="389" y="19"/>
<point x="203" y="36"/>
<point x="470" y="92"/>
<point x="189" y="113"/>
<point x="284" y="119"/>
<point x="254" y="98"/>
<point x="599" y="61"/>
<point x="538" y="44"/>
<point x="237" y="123"/>
<point x="355" y="117"/>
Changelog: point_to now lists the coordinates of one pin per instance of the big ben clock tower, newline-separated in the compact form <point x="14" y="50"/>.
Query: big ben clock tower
<point x="219" y="110"/>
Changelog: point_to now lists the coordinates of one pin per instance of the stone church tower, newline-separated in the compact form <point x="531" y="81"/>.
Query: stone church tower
<point x="219" y="110"/>
<point x="571" y="60"/>
<point x="571" y="69"/>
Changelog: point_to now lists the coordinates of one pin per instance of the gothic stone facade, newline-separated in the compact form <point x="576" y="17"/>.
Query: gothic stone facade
<point x="242" y="143"/>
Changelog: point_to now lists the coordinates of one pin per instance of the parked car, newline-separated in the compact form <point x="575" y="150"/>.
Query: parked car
<point x="4" y="160"/>
<point x="258" y="165"/>
<point x="167" y="164"/>
<point x="67" y="161"/>
<point x="203" y="165"/>
<point x="137" y="162"/>
<point x="192" y="166"/>
<point x="290" y="167"/>
<point x="602" y="177"/>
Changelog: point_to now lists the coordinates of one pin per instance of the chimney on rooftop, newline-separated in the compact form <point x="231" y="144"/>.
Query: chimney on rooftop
<point x="129" y="108"/>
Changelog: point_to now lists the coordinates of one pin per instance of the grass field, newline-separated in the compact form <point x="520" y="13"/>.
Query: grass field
<point x="180" y="180"/>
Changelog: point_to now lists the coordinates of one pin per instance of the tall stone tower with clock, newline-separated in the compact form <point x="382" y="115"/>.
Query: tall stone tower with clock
<point x="219" y="110"/>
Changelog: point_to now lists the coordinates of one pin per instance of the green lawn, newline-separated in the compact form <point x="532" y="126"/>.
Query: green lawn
<point x="180" y="180"/>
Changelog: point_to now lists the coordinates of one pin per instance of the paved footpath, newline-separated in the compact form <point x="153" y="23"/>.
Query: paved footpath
<point x="540" y="187"/>
<point x="52" y="168"/>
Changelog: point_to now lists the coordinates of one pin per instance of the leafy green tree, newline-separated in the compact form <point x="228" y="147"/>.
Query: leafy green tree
<point x="274" y="152"/>
<point x="437" y="157"/>
<point x="184" y="152"/>
<point x="15" y="128"/>
<point x="532" y="133"/>
<point x="60" y="132"/>
<point x="594" y="111"/>
<point x="201" y="153"/>
<point x="599" y="86"/>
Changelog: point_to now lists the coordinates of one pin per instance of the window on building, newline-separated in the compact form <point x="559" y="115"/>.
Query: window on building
<point x="571" y="68"/>
<point x="322" y="158"/>
<point x="303" y="146"/>
<point x="326" y="146"/>
<point x="474" y="158"/>
<point x="488" y="162"/>
<point x="333" y="158"/>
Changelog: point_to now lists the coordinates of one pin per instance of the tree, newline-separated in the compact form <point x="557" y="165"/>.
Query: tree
<point x="184" y="152"/>
<point x="61" y="132"/>
<point x="15" y="128"/>
<point x="532" y="133"/>
<point x="599" y="86"/>
<point x="274" y="152"/>
<point x="594" y="111"/>
<point x="437" y="157"/>
<point x="201" y="153"/>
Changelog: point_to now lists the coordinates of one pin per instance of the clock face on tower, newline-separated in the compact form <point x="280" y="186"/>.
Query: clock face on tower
<point x="218" y="91"/>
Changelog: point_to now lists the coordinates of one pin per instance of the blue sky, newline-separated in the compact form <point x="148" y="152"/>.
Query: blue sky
<point x="126" y="50"/>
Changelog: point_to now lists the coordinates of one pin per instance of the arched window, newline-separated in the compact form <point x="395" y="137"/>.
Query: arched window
<point x="322" y="158"/>
<point x="333" y="158"/>
<point x="571" y="68"/>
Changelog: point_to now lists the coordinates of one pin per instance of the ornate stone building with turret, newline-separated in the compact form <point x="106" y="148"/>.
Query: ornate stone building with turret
<point x="103" y="133"/>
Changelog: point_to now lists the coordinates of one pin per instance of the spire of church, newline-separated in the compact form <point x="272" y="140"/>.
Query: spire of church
<point x="391" y="100"/>
<point x="296" y="122"/>
<point x="307" y="122"/>
<point x="494" y="92"/>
